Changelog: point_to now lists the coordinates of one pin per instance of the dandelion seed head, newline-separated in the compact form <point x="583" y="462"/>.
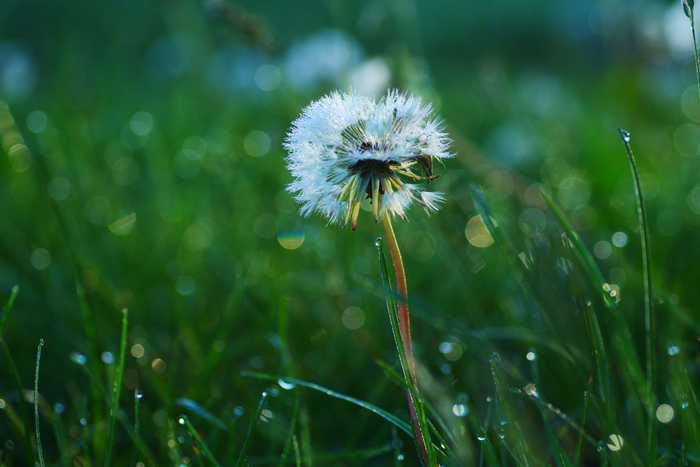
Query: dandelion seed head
<point x="346" y="147"/>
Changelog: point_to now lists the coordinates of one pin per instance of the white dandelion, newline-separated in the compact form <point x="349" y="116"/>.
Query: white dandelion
<point x="346" y="147"/>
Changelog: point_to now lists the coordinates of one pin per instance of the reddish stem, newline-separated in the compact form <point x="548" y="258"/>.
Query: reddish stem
<point x="405" y="330"/>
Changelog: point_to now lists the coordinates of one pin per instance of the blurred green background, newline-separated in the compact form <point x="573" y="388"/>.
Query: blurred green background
<point x="143" y="164"/>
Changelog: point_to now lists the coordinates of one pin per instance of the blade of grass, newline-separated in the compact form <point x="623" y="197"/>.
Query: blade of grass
<point x="487" y="453"/>
<point x="173" y="446"/>
<point x="195" y="408"/>
<point x="116" y="391"/>
<point x="137" y="422"/>
<point x="22" y="403"/>
<point x="7" y="308"/>
<point x="307" y="447"/>
<point x="584" y="421"/>
<point x="649" y="315"/>
<point x="292" y="427"/>
<point x="512" y="432"/>
<point x="121" y="416"/>
<point x="522" y="271"/>
<point x="688" y="9"/>
<point x="381" y="412"/>
<point x="564" y="417"/>
<point x="36" y="405"/>
<point x="555" y="447"/>
<point x="297" y="454"/>
<point x="623" y="344"/>
<point x="243" y="457"/>
<point x="198" y="439"/>
<point x="600" y="355"/>
<point x="582" y="253"/>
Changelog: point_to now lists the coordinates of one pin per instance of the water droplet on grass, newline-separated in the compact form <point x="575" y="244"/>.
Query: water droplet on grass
<point x="285" y="384"/>
<point x="665" y="413"/>
<point x="615" y="442"/>
<point x="459" y="410"/>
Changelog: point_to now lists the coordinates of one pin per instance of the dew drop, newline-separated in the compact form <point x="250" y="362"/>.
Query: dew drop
<point x="615" y="442"/>
<point x="378" y="241"/>
<point x="181" y="421"/>
<point x="285" y="384"/>
<point x="665" y="413"/>
<point x="459" y="410"/>
<point x="625" y="135"/>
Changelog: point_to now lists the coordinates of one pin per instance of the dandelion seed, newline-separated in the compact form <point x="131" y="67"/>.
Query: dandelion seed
<point x="347" y="147"/>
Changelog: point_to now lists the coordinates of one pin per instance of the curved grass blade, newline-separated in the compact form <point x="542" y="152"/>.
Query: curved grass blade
<point x="292" y="426"/>
<point x="584" y="421"/>
<point x="649" y="315"/>
<point x="22" y="403"/>
<point x="564" y="417"/>
<point x="198" y="439"/>
<point x="522" y="270"/>
<point x="512" y="433"/>
<point x="372" y="408"/>
<point x="197" y="409"/>
<point x="688" y="7"/>
<point x="582" y="253"/>
<point x="624" y="342"/>
<point x="121" y="416"/>
<point x="601" y="358"/>
<point x="117" y="388"/>
<point x="7" y="308"/>
<point x="555" y="448"/>
<point x="242" y="459"/>
<point x="36" y="405"/>
<point x="137" y="422"/>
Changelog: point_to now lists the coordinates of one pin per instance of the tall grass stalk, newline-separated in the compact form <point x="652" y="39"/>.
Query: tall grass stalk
<point x="198" y="439"/>
<point x="243" y="457"/>
<point x="22" y="403"/>
<point x="649" y="315"/>
<point x="116" y="391"/>
<point x="7" y="308"/>
<point x="36" y="404"/>
<point x="688" y="9"/>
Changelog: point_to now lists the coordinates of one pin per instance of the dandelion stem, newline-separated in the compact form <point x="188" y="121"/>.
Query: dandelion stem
<point x="405" y="330"/>
<point x="402" y="291"/>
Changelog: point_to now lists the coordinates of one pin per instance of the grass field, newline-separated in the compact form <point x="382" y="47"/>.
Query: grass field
<point x="190" y="316"/>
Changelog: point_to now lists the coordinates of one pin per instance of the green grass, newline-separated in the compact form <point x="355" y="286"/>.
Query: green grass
<point x="132" y="177"/>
